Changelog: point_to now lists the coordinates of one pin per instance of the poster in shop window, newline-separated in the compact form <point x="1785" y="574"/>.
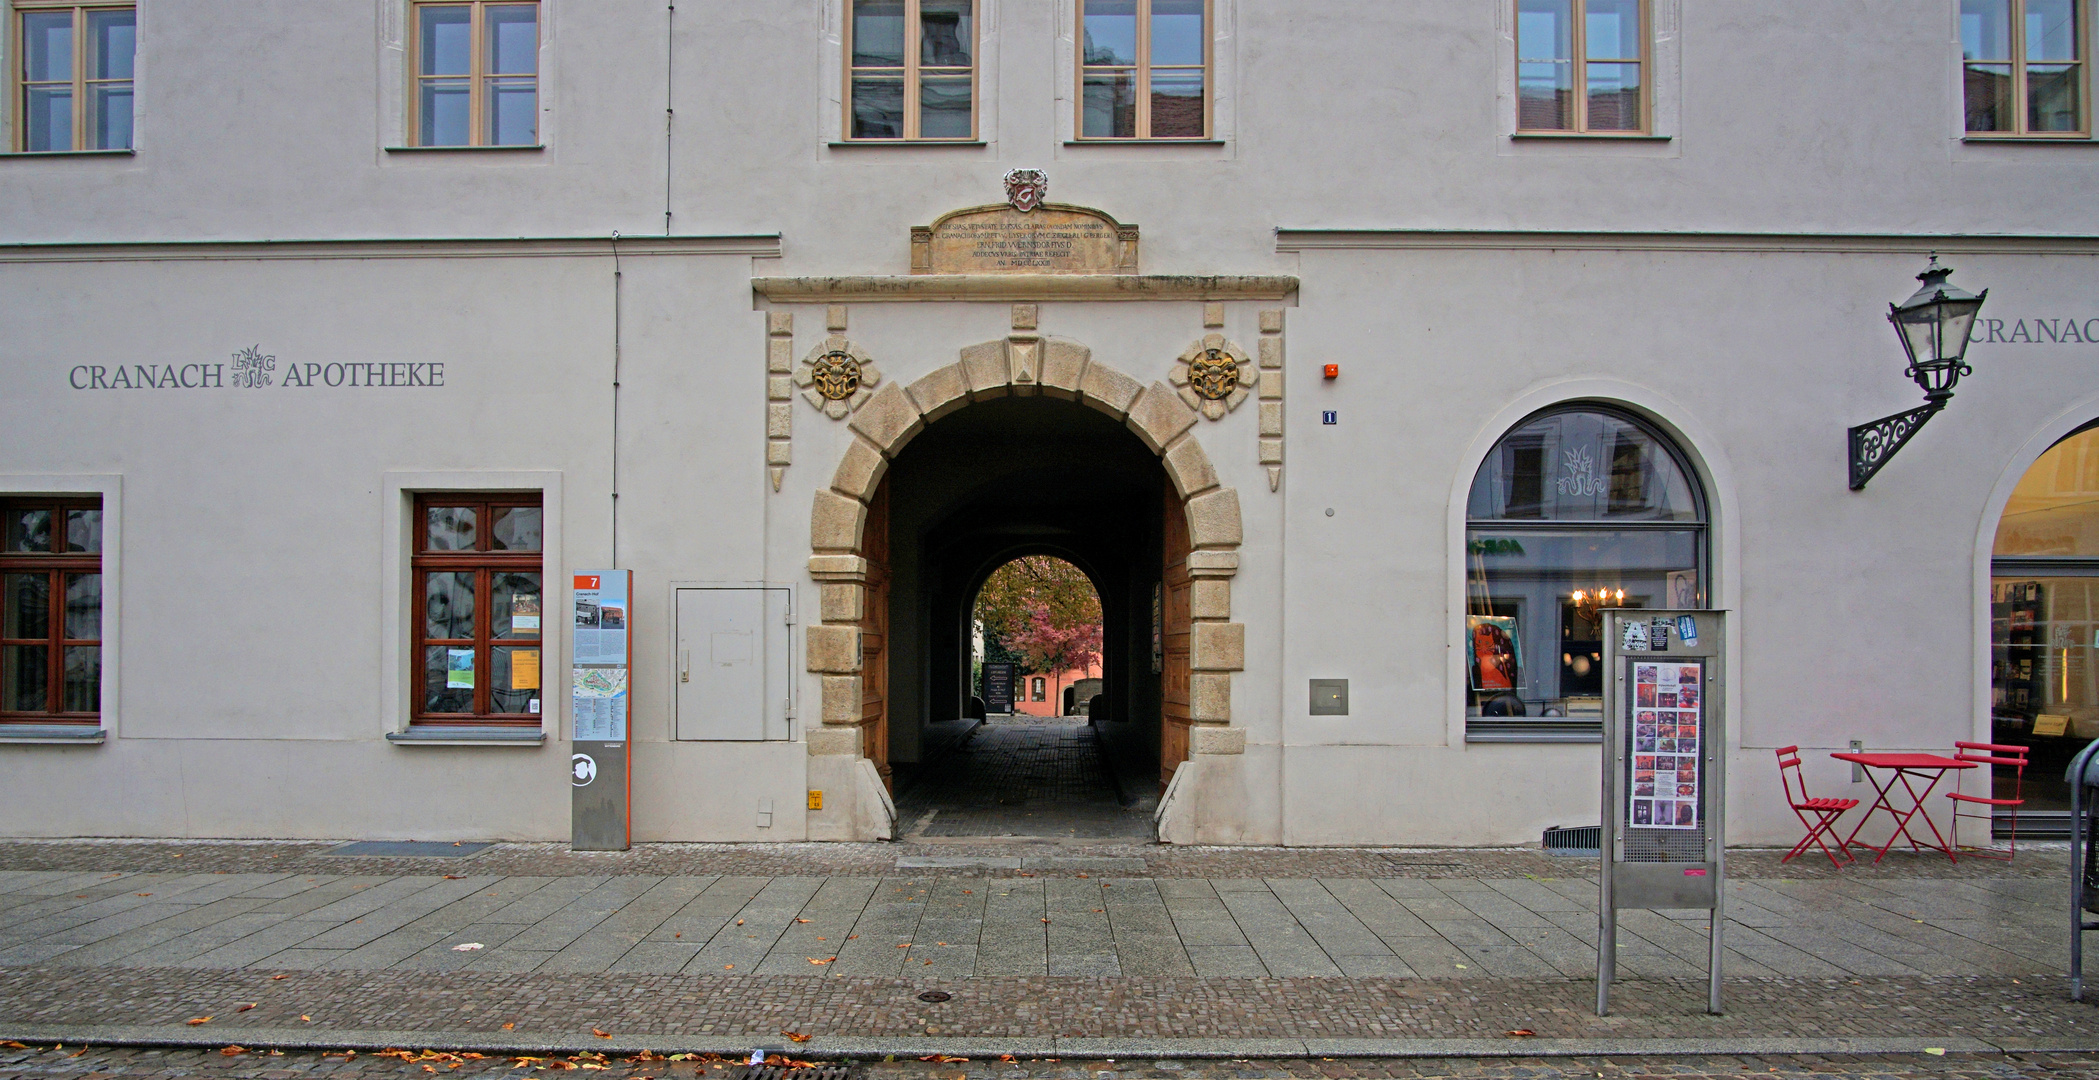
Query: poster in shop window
<point x="1495" y="656"/>
<point x="1668" y="733"/>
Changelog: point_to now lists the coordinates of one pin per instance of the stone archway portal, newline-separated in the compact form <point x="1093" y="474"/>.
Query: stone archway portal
<point x="1025" y="363"/>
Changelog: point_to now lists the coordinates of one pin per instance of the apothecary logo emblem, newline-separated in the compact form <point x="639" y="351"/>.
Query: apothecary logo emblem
<point x="836" y="374"/>
<point x="251" y="368"/>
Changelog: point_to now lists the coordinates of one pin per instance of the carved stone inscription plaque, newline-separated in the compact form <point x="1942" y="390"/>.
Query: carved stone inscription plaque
<point x="1054" y="239"/>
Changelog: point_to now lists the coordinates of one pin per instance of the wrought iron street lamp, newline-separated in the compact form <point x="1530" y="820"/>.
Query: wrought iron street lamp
<point x="1933" y="325"/>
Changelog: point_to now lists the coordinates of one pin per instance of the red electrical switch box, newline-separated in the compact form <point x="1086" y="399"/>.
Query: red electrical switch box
<point x="1333" y="371"/>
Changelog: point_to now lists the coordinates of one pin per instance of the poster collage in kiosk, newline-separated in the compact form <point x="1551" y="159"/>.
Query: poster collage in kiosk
<point x="1667" y="730"/>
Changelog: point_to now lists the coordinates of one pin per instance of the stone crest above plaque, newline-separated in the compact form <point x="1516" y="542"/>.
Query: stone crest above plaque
<point x="1024" y="235"/>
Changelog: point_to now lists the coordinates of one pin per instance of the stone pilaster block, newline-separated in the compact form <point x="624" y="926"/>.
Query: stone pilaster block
<point x="1158" y="416"/>
<point x="779" y="355"/>
<point x="779" y="387"/>
<point x="1272" y="385"/>
<point x="1024" y="316"/>
<point x="1216" y="740"/>
<point x="1213" y="315"/>
<point x="1272" y="418"/>
<point x="984" y="370"/>
<point x="1271" y="352"/>
<point x="779" y="420"/>
<point x="841" y="699"/>
<point x="888" y="419"/>
<point x="834" y="318"/>
<point x="834" y="650"/>
<point x="1107" y="390"/>
<point x="1216" y="646"/>
<point x="1210" y="697"/>
<point x="841" y="603"/>
<point x="1189" y="467"/>
<point x="848" y="568"/>
<point x="835" y="522"/>
<point x="1063" y="368"/>
<point x="1211" y="564"/>
<point x="779" y="322"/>
<point x="1210" y="598"/>
<point x="860" y="470"/>
<point x="833" y="741"/>
<point x="1272" y="321"/>
<point x="779" y="452"/>
<point x="1271" y="451"/>
<point x="1213" y="519"/>
<point x="940" y="392"/>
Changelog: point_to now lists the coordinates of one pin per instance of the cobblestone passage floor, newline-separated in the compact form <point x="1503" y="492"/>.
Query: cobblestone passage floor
<point x="1035" y="777"/>
<point x="76" y="1063"/>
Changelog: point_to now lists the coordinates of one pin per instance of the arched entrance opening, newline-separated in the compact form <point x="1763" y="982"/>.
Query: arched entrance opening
<point x="2044" y="613"/>
<point x="1011" y="478"/>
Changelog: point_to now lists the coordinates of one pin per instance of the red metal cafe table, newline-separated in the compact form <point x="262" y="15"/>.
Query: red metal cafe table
<point x="1906" y="768"/>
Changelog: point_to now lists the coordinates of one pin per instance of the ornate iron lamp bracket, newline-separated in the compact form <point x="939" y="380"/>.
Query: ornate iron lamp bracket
<point x="1873" y="444"/>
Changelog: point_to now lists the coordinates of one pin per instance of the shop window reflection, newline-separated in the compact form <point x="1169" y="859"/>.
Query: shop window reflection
<point x="2044" y="615"/>
<point x="1577" y="509"/>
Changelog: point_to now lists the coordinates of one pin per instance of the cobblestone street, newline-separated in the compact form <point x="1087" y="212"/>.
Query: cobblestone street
<point x="1023" y="776"/>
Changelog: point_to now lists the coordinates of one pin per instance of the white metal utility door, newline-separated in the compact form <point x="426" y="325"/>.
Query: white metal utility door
<point x="734" y="682"/>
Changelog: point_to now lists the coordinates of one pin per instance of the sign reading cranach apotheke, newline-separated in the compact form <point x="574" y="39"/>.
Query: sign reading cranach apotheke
<point x="251" y="369"/>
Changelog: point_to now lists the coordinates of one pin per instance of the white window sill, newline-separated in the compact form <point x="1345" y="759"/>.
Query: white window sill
<point x="2031" y="140"/>
<point x="837" y="144"/>
<point x="1144" y="142"/>
<point x="464" y="149"/>
<point x="1599" y="136"/>
<point x="467" y="735"/>
<point x="68" y="153"/>
<point x="52" y="735"/>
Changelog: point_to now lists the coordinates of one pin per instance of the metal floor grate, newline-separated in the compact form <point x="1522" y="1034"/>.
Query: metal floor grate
<point x="783" y="1072"/>
<point x="424" y="849"/>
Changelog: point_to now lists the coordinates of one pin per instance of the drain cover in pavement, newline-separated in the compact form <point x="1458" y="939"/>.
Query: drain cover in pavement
<point x="783" y="1072"/>
<point x="424" y="849"/>
<point x="935" y="996"/>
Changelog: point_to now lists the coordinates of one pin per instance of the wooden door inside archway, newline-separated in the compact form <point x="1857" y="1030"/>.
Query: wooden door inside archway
<point x="1176" y="596"/>
<point x="874" y="639"/>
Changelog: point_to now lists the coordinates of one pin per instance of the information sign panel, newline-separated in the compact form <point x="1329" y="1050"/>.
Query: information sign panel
<point x="1664" y="774"/>
<point x="601" y="652"/>
<point x="998" y="688"/>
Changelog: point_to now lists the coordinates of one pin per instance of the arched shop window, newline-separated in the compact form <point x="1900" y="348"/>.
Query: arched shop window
<point x="1578" y="508"/>
<point x="2044" y="610"/>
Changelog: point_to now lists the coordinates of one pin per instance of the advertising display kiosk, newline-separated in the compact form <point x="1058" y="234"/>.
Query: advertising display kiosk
<point x="1664" y="775"/>
<point x="601" y="653"/>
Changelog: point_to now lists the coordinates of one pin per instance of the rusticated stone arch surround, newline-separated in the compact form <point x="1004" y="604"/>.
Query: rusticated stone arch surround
<point x="1024" y="364"/>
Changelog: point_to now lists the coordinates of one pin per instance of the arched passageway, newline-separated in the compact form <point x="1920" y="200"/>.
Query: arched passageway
<point x="998" y="480"/>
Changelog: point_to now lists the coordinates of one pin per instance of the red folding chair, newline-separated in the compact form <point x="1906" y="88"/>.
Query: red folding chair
<point x="1992" y="755"/>
<point x="1825" y="811"/>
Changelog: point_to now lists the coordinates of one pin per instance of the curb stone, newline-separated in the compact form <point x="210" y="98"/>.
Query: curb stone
<point x="143" y="1035"/>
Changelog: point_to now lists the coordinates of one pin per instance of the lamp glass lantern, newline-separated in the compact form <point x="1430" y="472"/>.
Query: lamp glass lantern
<point x="1934" y="325"/>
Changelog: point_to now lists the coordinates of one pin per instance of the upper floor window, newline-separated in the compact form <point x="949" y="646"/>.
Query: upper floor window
<point x="2023" y="68"/>
<point x="1144" y="69"/>
<point x="476" y="74"/>
<point x="913" y="70"/>
<point x="74" y="76"/>
<point x="1581" y="65"/>
<point x="50" y="609"/>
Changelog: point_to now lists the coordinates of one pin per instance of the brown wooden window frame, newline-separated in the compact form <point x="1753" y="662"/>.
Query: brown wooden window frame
<point x="57" y="565"/>
<point x="478" y="77"/>
<point x="1578" y="60"/>
<point x="912" y="75"/>
<point x="79" y="84"/>
<point x="483" y="562"/>
<point x="1141" y="73"/>
<point x="2018" y="61"/>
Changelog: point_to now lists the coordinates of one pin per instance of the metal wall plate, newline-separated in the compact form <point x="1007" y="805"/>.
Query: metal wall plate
<point x="1329" y="697"/>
